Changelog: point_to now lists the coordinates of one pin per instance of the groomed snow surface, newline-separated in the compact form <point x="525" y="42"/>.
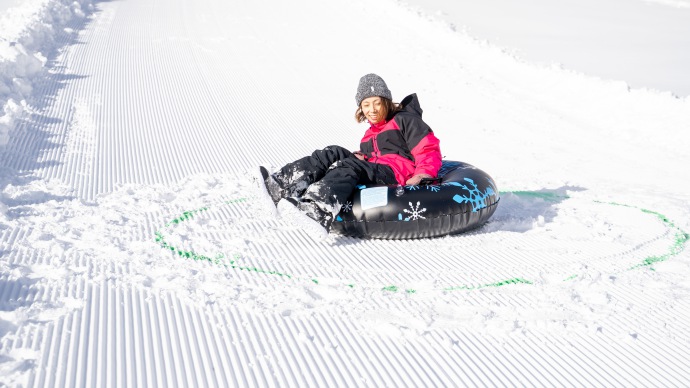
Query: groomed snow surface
<point x="641" y="42"/>
<point x="135" y="250"/>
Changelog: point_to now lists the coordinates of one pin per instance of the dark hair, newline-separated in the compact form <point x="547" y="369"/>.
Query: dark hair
<point x="389" y="108"/>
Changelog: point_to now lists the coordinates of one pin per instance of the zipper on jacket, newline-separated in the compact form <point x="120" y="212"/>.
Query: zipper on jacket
<point x="377" y="153"/>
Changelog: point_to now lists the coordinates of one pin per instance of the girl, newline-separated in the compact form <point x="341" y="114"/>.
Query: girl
<point x="398" y="148"/>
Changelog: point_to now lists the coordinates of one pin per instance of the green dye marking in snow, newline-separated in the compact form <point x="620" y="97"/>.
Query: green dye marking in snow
<point x="681" y="238"/>
<point x="186" y="216"/>
<point x="396" y="289"/>
<point x="238" y="200"/>
<point x="160" y="239"/>
<point x="191" y="213"/>
<point x="218" y="260"/>
<point x="548" y="196"/>
<point x="497" y="284"/>
<point x="186" y="254"/>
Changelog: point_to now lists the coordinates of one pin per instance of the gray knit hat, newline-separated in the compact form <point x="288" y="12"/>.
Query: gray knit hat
<point x="372" y="85"/>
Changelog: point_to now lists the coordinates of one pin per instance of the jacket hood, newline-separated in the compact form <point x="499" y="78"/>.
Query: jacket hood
<point x="410" y="104"/>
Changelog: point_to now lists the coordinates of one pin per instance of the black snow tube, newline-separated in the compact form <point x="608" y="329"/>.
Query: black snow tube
<point x="464" y="199"/>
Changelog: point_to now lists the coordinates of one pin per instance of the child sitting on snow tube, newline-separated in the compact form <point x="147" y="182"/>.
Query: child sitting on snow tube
<point x="399" y="148"/>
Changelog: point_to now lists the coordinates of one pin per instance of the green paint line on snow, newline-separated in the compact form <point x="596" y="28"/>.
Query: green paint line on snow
<point x="238" y="200"/>
<point x="549" y="196"/>
<point x="186" y="216"/>
<point x="218" y="260"/>
<point x="197" y="257"/>
<point x="187" y="254"/>
<point x="191" y="213"/>
<point x="496" y="284"/>
<point x="396" y="289"/>
<point x="680" y="238"/>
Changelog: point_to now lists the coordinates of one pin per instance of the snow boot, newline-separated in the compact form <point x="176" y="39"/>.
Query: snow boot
<point x="273" y="186"/>
<point x="261" y="178"/>
<point x="306" y="216"/>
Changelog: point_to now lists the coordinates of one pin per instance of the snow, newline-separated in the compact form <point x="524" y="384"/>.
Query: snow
<point x="8" y="4"/>
<point x="30" y="31"/>
<point x="636" y="41"/>
<point x="136" y="249"/>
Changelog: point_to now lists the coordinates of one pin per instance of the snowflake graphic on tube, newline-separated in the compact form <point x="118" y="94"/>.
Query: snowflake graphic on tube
<point x="476" y="197"/>
<point x="346" y="207"/>
<point x="415" y="212"/>
<point x="433" y="188"/>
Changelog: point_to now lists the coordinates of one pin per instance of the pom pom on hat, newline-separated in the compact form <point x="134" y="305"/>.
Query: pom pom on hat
<point x="372" y="85"/>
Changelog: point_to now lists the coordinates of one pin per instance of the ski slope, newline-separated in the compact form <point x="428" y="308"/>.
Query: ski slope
<point x="134" y="251"/>
<point x="638" y="41"/>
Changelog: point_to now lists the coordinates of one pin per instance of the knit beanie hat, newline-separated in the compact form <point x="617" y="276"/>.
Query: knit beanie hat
<point x="372" y="85"/>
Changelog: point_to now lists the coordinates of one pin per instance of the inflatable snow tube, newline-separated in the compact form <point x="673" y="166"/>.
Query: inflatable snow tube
<point x="463" y="199"/>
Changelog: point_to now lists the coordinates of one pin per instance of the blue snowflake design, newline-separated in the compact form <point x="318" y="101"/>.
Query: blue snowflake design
<point x="432" y="188"/>
<point x="476" y="197"/>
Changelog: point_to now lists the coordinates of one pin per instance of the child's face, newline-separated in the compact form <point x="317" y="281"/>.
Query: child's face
<point x="373" y="109"/>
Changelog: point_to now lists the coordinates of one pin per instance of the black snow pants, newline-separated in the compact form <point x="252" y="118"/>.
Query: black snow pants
<point x="329" y="176"/>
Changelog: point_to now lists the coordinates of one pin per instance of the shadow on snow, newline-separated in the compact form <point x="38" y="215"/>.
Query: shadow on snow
<point x="33" y="140"/>
<point x="521" y="211"/>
